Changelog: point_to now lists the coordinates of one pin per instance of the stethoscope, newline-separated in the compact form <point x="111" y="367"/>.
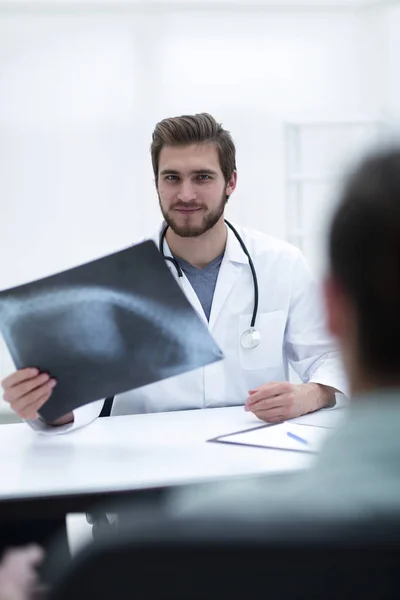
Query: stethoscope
<point x="251" y="337"/>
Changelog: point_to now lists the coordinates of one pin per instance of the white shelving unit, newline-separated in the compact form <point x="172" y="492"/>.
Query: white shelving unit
<point x="317" y="154"/>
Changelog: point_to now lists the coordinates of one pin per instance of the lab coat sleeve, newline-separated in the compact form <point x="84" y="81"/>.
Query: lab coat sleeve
<point x="82" y="416"/>
<point x="309" y="348"/>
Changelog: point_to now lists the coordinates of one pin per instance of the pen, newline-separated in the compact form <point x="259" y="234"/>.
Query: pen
<point x="297" y="438"/>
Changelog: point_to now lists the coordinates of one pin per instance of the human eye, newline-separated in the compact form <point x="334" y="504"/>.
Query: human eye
<point x="204" y="176"/>
<point x="171" y="178"/>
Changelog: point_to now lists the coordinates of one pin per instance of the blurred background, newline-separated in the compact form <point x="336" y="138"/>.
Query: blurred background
<point x="303" y="86"/>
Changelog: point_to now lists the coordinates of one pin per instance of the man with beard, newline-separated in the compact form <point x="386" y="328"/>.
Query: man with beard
<point x="256" y="294"/>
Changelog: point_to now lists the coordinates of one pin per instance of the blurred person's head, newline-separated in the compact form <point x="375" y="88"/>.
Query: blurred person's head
<point x="194" y="167"/>
<point x="362" y="290"/>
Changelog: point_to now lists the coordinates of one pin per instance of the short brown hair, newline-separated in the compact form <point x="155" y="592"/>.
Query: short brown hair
<point x="194" y="129"/>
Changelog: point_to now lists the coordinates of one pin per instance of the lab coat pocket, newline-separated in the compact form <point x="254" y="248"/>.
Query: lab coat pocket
<point x="269" y="352"/>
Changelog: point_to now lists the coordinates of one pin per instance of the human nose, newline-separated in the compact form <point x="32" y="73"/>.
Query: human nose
<point x="186" y="192"/>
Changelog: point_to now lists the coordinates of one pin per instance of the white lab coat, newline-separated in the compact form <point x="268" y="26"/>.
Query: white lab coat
<point x="290" y="320"/>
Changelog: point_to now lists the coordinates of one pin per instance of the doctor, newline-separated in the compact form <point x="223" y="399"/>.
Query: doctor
<point x="263" y="321"/>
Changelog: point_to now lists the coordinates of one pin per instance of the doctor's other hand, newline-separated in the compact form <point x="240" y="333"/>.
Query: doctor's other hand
<point x="277" y="402"/>
<point x="27" y="390"/>
<point x="18" y="577"/>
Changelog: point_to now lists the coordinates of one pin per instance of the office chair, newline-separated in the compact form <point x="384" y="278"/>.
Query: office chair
<point x="154" y="556"/>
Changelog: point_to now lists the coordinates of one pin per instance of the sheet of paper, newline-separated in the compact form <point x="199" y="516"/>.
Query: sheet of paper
<point x="105" y="327"/>
<point x="285" y="436"/>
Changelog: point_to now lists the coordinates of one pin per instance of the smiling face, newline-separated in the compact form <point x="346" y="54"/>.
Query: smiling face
<point x="191" y="188"/>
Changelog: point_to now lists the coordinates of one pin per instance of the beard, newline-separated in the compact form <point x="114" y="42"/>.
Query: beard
<point x="210" y="218"/>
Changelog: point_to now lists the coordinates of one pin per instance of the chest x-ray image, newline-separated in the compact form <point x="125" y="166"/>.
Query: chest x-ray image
<point x="105" y="327"/>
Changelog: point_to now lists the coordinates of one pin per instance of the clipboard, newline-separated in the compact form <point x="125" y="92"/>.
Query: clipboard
<point x="100" y="329"/>
<point x="275" y="437"/>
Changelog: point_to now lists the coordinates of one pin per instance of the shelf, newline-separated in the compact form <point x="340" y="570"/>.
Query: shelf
<point x="299" y="178"/>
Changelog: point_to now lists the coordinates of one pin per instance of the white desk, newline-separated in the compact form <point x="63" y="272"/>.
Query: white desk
<point x="131" y="453"/>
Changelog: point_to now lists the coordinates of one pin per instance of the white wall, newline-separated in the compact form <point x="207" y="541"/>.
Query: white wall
<point x="390" y="35"/>
<point x="79" y="96"/>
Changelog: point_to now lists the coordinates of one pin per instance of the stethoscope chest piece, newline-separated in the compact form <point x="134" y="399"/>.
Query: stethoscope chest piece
<point x="250" y="338"/>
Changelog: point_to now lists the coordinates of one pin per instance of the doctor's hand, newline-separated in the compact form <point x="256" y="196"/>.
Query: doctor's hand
<point x="277" y="402"/>
<point x="27" y="390"/>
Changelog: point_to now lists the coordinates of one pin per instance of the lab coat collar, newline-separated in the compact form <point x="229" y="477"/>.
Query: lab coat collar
<point x="233" y="250"/>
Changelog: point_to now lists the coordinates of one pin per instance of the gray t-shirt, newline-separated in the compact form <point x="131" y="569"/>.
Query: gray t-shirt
<point x="203" y="281"/>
